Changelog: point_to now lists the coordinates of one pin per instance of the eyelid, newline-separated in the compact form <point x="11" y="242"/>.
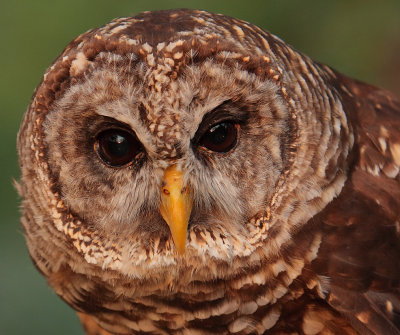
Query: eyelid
<point x="113" y="125"/>
<point x="219" y="115"/>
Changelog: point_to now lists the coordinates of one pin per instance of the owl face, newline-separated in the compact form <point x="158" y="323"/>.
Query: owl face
<point x="111" y="138"/>
<point x="195" y="145"/>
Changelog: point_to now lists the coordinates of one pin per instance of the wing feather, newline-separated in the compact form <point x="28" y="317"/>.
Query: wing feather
<point x="360" y="252"/>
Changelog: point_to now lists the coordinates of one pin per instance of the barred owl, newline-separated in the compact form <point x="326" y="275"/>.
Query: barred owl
<point x="184" y="172"/>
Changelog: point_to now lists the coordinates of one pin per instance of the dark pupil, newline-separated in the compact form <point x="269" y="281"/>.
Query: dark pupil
<point x="217" y="134"/>
<point x="221" y="137"/>
<point x="117" y="147"/>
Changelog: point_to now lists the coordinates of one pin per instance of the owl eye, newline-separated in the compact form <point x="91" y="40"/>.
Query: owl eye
<point x="117" y="147"/>
<point x="221" y="137"/>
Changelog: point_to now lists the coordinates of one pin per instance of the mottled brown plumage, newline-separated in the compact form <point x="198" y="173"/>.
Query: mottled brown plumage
<point x="295" y="217"/>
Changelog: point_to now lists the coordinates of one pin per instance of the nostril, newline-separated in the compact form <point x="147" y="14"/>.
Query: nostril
<point x="165" y="191"/>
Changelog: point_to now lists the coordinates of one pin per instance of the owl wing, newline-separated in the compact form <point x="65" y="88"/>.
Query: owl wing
<point x="90" y="326"/>
<point x="359" y="257"/>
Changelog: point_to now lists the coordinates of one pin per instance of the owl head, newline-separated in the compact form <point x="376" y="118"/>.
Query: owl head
<point x="177" y="144"/>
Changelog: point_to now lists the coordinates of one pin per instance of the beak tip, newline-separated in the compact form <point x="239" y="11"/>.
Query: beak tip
<point x="180" y="251"/>
<point x="180" y="246"/>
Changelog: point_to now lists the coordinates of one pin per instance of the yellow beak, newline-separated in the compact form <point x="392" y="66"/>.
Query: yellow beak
<point x="176" y="206"/>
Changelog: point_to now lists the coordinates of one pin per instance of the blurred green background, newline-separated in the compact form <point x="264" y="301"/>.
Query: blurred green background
<point x="360" y="38"/>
